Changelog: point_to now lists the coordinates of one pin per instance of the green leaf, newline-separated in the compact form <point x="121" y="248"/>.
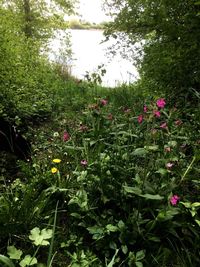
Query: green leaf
<point x="140" y="152"/>
<point x="112" y="228"/>
<point x="162" y="171"/>
<point x="152" y="148"/>
<point x="39" y="238"/>
<point x="96" y="231"/>
<point x="6" y="261"/>
<point x="124" y="249"/>
<point x="139" y="264"/>
<point x="140" y="255"/>
<point x="153" y="197"/>
<point x="28" y="261"/>
<point x="14" y="253"/>
<point x="196" y="204"/>
<point x="133" y="190"/>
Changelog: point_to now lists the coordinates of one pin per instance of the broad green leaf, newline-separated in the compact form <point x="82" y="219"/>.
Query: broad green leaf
<point x="112" y="228"/>
<point x="39" y="237"/>
<point x="28" y="261"/>
<point x="140" y="255"/>
<point x="139" y="264"/>
<point x="14" y="253"/>
<point x="196" y="204"/>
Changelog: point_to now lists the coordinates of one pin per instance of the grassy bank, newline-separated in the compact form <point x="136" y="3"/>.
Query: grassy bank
<point x="112" y="181"/>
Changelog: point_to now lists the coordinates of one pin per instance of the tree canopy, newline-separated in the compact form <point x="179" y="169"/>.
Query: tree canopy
<point x="171" y="30"/>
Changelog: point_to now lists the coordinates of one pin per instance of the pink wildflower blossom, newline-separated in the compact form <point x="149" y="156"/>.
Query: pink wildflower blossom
<point x="161" y="103"/>
<point x="174" y="200"/>
<point x="66" y="136"/>
<point x="178" y="122"/>
<point x="84" y="163"/>
<point x="145" y="109"/>
<point x="104" y="102"/>
<point x="156" y="113"/>
<point x="110" y="117"/>
<point x="163" y="125"/>
<point x="169" y="165"/>
<point x="140" y="118"/>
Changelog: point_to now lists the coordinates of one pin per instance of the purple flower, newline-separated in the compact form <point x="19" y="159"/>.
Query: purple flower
<point x="156" y="113"/>
<point x="169" y="165"/>
<point x="84" y="162"/>
<point x="163" y="125"/>
<point x="145" y="109"/>
<point x="104" y="102"/>
<point x="174" y="200"/>
<point x="66" y="136"/>
<point x="140" y="118"/>
<point x="161" y="103"/>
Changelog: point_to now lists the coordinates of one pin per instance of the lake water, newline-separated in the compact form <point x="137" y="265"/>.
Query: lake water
<point x="89" y="52"/>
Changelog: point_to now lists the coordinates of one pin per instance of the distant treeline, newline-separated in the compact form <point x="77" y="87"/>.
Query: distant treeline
<point x="85" y="25"/>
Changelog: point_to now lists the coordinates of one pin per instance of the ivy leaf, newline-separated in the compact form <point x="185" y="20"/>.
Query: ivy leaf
<point x="14" y="253"/>
<point x="28" y="261"/>
<point x="39" y="237"/>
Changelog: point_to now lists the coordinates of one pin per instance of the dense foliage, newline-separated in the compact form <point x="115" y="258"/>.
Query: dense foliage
<point x="112" y="178"/>
<point x="171" y="30"/>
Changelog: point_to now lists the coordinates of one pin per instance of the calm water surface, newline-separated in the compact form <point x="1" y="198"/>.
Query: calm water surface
<point x="89" y="52"/>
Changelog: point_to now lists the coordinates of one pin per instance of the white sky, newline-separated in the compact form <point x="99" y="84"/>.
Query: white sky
<point x="91" y="10"/>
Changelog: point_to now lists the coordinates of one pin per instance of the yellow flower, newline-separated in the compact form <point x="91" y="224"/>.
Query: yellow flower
<point x="54" y="170"/>
<point x="56" y="160"/>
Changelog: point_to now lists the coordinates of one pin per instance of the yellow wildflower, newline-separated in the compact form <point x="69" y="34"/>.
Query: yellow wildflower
<point x="54" y="170"/>
<point x="56" y="160"/>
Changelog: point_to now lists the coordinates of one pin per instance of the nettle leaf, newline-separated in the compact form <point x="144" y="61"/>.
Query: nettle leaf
<point x="28" y="261"/>
<point x="14" y="253"/>
<point x="39" y="237"/>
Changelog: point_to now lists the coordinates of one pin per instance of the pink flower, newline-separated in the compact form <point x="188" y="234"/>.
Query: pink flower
<point x="161" y="103"/>
<point x="140" y="118"/>
<point x="104" y="102"/>
<point x="174" y="199"/>
<point x="84" y="162"/>
<point x="169" y="165"/>
<point x="178" y="122"/>
<point x="163" y="125"/>
<point x="66" y="136"/>
<point x="110" y="117"/>
<point x="156" y="113"/>
<point x="83" y="128"/>
<point x="145" y="109"/>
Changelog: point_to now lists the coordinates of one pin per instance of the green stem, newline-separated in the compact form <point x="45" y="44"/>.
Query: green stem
<point x="188" y="169"/>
